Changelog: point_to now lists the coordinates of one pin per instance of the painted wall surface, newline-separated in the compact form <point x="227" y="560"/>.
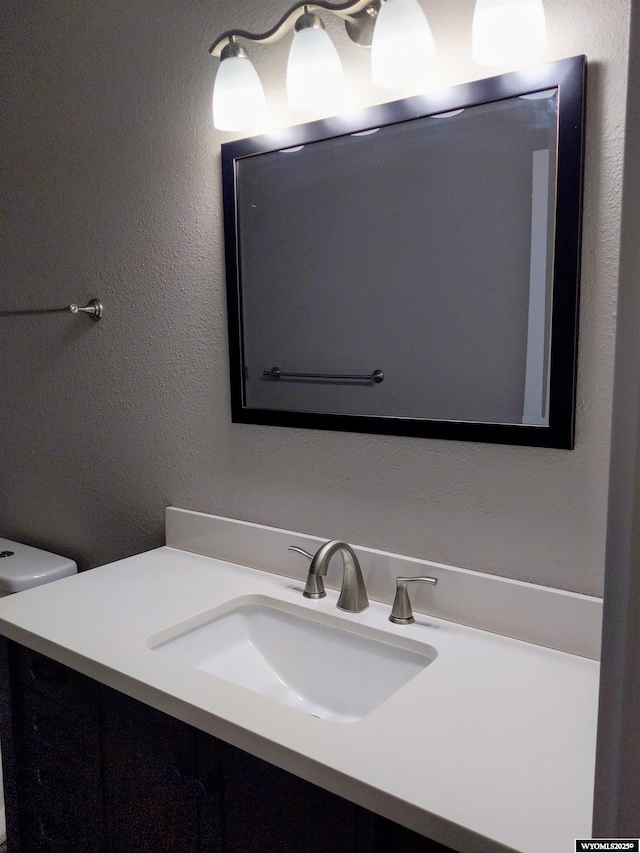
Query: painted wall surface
<point x="111" y="188"/>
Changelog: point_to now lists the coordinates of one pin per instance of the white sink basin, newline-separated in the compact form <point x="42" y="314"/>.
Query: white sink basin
<point x="317" y="663"/>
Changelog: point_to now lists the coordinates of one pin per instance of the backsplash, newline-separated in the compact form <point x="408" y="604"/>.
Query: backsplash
<point x="548" y="617"/>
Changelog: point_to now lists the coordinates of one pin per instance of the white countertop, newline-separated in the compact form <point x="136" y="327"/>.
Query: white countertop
<point x="490" y="748"/>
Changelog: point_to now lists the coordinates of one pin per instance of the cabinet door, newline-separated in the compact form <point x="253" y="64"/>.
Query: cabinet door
<point x="267" y="810"/>
<point x="147" y="763"/>
<point x="57" y="759"/>
<point x="393" y="838"/>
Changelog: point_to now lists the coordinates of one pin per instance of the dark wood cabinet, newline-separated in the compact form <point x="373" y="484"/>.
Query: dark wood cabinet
<point x="268" y="809"/>
<point x="57" y="772"/>
<point x="89" y="770"/>
<point x="168" y="787"/>
<point x="148" y="758"/>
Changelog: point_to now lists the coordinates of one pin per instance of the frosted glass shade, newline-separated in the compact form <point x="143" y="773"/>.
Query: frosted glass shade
<point x="238" y="97"/>
<point x="403" y="51"/>
<point x="315" y="79"/>
<point x="506" y="31"/>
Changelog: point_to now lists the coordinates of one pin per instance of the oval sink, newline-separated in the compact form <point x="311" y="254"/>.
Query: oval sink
<point x="308" y="663"/>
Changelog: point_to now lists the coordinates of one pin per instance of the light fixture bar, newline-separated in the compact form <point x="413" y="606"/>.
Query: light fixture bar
<point x="351" y="11"/>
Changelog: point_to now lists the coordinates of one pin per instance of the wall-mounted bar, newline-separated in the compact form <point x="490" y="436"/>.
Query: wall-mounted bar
<point x="275" y="373"/>
<point x="94" y="309"/>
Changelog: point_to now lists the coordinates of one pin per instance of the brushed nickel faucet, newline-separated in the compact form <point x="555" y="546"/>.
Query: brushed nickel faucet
<point x="353" y="595"/>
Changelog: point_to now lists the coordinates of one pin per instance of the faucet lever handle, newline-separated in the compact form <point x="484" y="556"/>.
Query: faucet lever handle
<point x="314" y="587"/>
<point x="401" y="612"/>
<point x="300" y="551"/>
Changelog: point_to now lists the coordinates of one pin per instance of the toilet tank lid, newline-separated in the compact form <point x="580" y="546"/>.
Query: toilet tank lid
<point x="23" y="567"/>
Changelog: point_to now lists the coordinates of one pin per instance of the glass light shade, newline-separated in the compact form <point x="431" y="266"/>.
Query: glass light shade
<point x="238" y="97"/>
<point x="315" y="79"/>
<point x="403" y="51"/>
<point x="506" y="31"/>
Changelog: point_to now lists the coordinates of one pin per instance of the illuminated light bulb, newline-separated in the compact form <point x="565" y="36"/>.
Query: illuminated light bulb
<point x="238" y="97"/>
<point x="315" y="79"/>
<point x="506" y="31"/>
<point x="403" y="51"/>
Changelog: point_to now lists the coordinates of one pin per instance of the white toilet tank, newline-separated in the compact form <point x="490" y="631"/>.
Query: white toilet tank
<point x="22" y="567"/>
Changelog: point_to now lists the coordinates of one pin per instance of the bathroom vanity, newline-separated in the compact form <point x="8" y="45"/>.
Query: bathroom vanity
<point x="111" y="744"/>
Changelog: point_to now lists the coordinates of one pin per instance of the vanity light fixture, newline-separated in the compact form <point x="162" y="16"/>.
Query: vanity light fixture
<point x="403" y="53"/>
<point x="506" y="31"/>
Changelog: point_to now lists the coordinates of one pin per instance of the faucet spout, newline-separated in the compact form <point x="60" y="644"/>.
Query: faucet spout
<point x="353" y="595"/>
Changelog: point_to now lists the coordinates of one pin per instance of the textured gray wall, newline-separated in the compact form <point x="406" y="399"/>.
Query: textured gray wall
<point x="110" y="187"/>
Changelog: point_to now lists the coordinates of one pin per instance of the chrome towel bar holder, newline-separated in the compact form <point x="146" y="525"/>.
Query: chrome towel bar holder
<point x="93" y="309"/>
<point x="275" y="373"/>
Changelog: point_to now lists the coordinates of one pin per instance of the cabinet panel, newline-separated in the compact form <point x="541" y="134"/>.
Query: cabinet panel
<point x="210" y="756"/>
<point x="267" y="809"/>
<point x="392" y="838"/>
<point x="51" y="679"/>
<point x="148" y="759"/>
<point x="57" y="752"/>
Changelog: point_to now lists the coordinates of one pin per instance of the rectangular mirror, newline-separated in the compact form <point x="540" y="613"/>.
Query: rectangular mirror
<point x="413" y="269"/>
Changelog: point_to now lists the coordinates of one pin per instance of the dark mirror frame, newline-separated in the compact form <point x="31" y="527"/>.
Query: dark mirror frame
<point x="569" y="76"/>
